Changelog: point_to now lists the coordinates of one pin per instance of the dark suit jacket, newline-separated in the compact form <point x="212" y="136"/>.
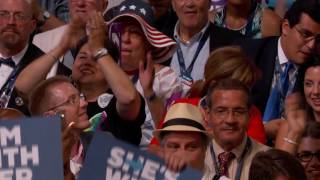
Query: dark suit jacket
<point x="219" y="37"/>
<point x="32" y="53"/>
<point x="263" y="52"/>
<point x="15" y="101"/>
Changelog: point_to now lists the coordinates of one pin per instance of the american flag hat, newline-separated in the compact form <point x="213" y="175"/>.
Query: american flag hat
<point x="163" y="46"/>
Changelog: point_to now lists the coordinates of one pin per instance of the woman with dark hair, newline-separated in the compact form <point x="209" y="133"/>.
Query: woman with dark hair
<point x="309" y="150"/>
<point x="301" y="109"/>
<point x="275" y="165"/>
<point x="141" y="48"/>
<point x="249" y="17"/>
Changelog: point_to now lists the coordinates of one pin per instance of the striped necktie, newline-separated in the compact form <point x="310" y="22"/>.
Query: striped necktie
<point x="274" y="107"/>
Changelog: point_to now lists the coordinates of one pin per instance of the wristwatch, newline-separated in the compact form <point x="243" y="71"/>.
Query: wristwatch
<point x="43" y="18"/>
<point x="151" y="97"/>
<point x="46" y="15"/>
<point x="100" y="53"/>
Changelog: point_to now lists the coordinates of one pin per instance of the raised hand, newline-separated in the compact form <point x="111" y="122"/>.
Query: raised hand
<point x="96" y="30"/>
<point x="296" y="114"/>
<point x="147" y="74"/>
<point x="74" y="32"/>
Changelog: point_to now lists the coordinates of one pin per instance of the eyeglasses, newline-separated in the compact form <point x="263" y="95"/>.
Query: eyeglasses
<point x="72" y="100"/>
<point x="307" y="35"/>
<point x="18" y="16"/>
<point x="307" y="156"/>
<point x="222" y="112"/>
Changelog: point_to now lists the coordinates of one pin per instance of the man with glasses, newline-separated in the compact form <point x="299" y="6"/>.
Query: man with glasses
<point x="279" y="58"/>
<point x="231" y="150"/>
<point x="16" y="25"/>
<point x="309" y="151"/>
<point x="57" y="96"/>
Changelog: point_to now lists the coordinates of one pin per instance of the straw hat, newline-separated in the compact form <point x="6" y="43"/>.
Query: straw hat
<point x="182" y="117"/>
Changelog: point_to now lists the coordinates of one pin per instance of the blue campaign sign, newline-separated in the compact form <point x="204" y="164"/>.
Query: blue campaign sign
<point x="30" y="149"/>
<point x="111" y="159"/>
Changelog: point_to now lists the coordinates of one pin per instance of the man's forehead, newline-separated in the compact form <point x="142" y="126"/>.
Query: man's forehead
<point x="26" y="4"/>
<point x="182" y="135"/>
<point x="307" y="22"/>
<point x="232" y="98"/>
<point x="62" y="90"/>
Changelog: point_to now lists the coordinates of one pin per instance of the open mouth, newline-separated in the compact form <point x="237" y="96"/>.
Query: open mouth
<point x="86" y="70"/>
<point x="316" y="101"/>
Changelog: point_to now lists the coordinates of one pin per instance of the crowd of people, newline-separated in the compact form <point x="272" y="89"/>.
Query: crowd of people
<point x="233" y="92"/>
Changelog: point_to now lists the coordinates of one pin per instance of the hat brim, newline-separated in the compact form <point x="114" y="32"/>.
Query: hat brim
<point x="179" y="128"/>
<point x="163" y="46"/>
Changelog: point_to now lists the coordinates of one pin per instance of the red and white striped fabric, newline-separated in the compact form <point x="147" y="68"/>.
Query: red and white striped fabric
<point x="163" y="46"/>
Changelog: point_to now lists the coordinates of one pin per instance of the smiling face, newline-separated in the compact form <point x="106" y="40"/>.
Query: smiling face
<point x="297" y="41"/>
<point x="65" y="99"/>
<point x="85" y="70"/>
<point x="134" y="46"/>
<point x="16" y="24"/>
<point x="228" y="116"/>
<point x="312" y="87"/>
<point x="307" y="146"/>
<point x="192" y="14"/>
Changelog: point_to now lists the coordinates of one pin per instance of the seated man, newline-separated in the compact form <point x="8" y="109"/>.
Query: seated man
<point x="280" y="60"/>
<point x="16" y="51"/>
<point x="231" y="151"/>
<point x="183" y="137"/>
<point x="58" y="96"/>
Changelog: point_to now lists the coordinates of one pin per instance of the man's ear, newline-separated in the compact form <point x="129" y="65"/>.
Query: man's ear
<point x="285" y="27"/>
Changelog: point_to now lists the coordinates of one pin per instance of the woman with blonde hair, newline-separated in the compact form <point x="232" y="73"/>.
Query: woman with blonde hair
<point x="226" y="62"/>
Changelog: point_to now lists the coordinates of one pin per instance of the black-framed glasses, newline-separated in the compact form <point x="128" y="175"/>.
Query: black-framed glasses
<point x="308" y="36"/>
<point x="307" y="156"/>
<point x="72" y="100"/>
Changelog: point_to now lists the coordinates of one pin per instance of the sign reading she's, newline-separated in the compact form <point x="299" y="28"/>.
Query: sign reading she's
<point x="30" y="149"/>
<point x="111" y="159"/>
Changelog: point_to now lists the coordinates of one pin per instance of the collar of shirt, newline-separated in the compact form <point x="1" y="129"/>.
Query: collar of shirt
<point x="236" y="151"/>
<point x="17" y="58"/>
<point x="283" y="58"/>
<point x="194" y="39"/>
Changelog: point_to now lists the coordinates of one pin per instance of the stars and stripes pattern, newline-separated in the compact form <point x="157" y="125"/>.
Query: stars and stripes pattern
<point x="164" y="47"/>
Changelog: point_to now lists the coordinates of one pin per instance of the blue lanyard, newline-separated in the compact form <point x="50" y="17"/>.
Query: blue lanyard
<point x="184" y="71"/>
<point x="7" y="87"/>
<point x="240" y="162"/>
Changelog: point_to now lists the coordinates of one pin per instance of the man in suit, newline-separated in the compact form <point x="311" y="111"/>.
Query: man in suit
<point x="231" y="151"/>
<point x="280" y="59"/>
<point x="196" y="37"/>
<point x="16" y="25"/>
